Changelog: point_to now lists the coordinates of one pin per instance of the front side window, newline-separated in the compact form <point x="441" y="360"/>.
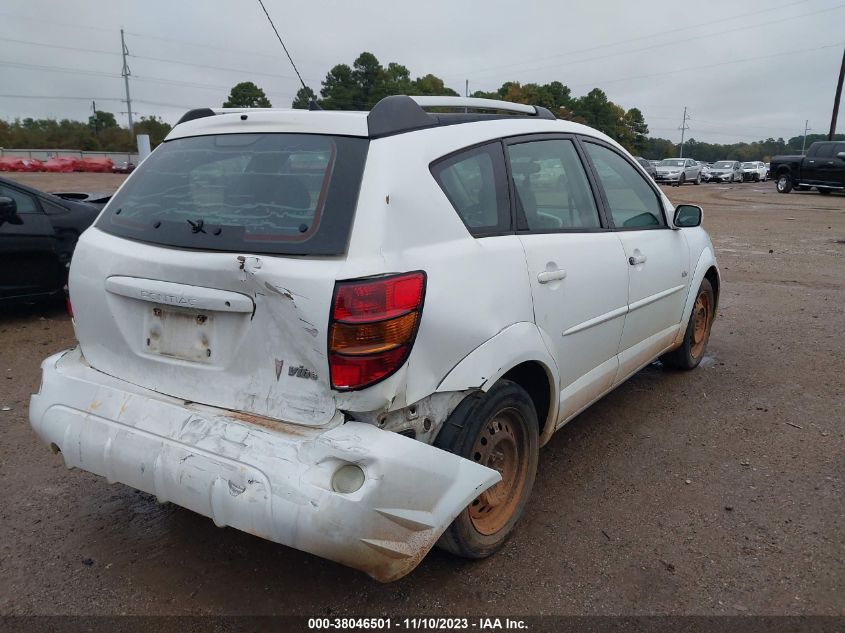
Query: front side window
<point x="268" y="193"/>
<point x="24" y="202"/>
<point x="552" y="190"/>
<point x="633" y="203"/>
<point x="476" y="185"/>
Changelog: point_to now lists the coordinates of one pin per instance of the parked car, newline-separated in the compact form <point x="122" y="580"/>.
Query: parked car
<point x="38" y="232"/>
<point x="125" y="167"/>
<point x="705" y="171"/>
<point x="647" y="167"/>
<point x="755" y="171"/>
<point x="678" y="171"/>
<point x="726" y="171"/>
<point x="274" y="346"/>
<point x="823" y="168"/>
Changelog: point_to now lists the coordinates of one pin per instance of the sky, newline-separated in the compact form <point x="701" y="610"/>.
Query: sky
<point x="745" y="71"/>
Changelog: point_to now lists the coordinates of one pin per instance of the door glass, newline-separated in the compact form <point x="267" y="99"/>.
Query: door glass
<point x="476" y="185"/>
<point x="552" y="189"/>
<point x="633" y="203"/>
<point x="825" y="151"/>
<point x="26" y="203"/>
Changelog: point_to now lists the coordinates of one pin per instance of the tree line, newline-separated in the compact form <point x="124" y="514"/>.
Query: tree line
<point x="100" y="133"/>
<point x="364" y="83"/>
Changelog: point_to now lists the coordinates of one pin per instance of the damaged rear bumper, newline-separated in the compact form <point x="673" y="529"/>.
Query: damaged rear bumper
<point x="267" y="478"/>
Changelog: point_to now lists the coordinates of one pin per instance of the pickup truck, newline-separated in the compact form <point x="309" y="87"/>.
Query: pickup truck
<point x="823" y="168"/>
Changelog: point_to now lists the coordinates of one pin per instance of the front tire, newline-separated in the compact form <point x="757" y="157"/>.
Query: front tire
<point x="498" y="429"/>
<point x="698" y="179"/>
<point x="697" y="334"/>
<point x="824" y="192"/>
<point x="681" y="180"/>
<point x="784" y="183"/>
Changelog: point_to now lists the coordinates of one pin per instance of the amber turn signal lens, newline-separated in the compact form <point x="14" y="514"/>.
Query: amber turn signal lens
<point x="372" y="338"/>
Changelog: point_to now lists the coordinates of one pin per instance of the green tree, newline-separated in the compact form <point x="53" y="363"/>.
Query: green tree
<point x="637" y="130"/>
<point x="340" y="90"/>
<point x="101" y="120"/>
<point x="303" y="98"/>
<point x="154" y="127"/>
<point x="247" y="95"/>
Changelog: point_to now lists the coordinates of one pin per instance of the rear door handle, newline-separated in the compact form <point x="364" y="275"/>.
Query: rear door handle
<point x="551" y="275"/>
<point x="637" y="259"/>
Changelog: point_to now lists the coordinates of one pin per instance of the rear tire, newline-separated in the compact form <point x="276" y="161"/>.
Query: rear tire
<point x="498" y="429"/>
<point x="692" y="349"/>
<point x="784" y="183"/>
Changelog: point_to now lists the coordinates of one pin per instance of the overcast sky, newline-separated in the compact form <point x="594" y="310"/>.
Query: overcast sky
<point x="745" y="70"/>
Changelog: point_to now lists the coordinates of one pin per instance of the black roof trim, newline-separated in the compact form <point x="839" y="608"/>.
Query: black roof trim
<point x="396" y="114"/>
<point x="198" y="113"/>
<point x="400" y="113"/>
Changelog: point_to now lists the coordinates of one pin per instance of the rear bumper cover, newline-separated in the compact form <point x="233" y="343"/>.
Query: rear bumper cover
<point x="264" y="477"/>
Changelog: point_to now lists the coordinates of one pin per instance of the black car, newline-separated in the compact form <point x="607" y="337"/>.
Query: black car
<point x="38" y="232"/>
<point x="649" y="168"/>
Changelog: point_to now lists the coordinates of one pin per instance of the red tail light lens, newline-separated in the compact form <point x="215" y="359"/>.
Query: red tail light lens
<point x="372" y="328"/>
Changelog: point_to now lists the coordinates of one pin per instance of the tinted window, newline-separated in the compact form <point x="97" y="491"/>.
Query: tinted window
<point x="633" y="203"/>
<point x="825" y="150"/>
<point x="552" y="190"/>
<point x="268" y="193"/>
<point x="476" y="185"/>
<point x="25" y="202"/>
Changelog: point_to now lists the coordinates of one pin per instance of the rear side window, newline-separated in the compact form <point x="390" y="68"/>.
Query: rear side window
<point x="633" y="203"/>
<point x="267" y="193"/>
<point x="476" y="184"/>
<point x="825" y="150"/>
<point x="552" y="190"/>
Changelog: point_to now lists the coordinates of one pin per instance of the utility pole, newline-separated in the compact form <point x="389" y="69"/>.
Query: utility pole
<point x="125" y="72"/>
<point x="807" y="128"/>
<point x="96" y="120"/>
<point x="836" y="99"/>
<point x="684" y="127"/>
<point x="466" y="88"/>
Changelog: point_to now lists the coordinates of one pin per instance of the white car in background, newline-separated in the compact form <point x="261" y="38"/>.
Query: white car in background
<point x="677" y="171"/>
<point x="755" y="170"/>
<point x="726" y="171"/>
<point x="351" y="332"/>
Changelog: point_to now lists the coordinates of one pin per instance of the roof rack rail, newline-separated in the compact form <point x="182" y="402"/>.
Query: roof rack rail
<point x="402" y="113"/>
<point x="481" y="104"/>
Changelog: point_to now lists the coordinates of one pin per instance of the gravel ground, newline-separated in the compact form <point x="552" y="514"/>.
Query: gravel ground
<point x="717" y="491"/>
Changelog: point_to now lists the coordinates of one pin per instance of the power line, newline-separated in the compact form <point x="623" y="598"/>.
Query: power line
<point x="626" y="41"/>
<point x="77" y="71"/>
<point x="41" y="20"/>
<point x="67" y="48"/>
<point x="709" y="66"/>
<point x="225" y="69"/>
<point x="680" y="41"/>
<point x="59" y="97"/>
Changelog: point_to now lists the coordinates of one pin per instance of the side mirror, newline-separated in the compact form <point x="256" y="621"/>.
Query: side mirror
<point x="8" y="208"/>
<point x="841" y="155"/>
<point x="688" y="216"/>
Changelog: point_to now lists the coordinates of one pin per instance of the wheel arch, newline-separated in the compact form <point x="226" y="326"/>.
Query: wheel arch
<point x="706" y="268"/>
<point x="517" y="353"/>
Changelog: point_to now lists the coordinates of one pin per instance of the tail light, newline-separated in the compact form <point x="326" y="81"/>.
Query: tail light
<point x="372" y="329"/>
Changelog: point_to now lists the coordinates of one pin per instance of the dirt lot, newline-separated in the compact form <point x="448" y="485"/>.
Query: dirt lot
<point x="718" y="491"/>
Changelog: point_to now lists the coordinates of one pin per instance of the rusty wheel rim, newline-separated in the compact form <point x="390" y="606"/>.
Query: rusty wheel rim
<point x="503" y="446"/>
<point x="702" y="317"/>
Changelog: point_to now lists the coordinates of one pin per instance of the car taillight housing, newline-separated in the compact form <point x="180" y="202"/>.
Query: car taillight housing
<point x="373" y="326"/>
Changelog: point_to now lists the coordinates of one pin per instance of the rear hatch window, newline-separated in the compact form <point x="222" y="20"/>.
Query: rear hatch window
<point x="287" y="194"/>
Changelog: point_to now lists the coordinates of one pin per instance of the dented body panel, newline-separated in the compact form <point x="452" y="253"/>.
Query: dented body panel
<point x="271" y="479"/>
